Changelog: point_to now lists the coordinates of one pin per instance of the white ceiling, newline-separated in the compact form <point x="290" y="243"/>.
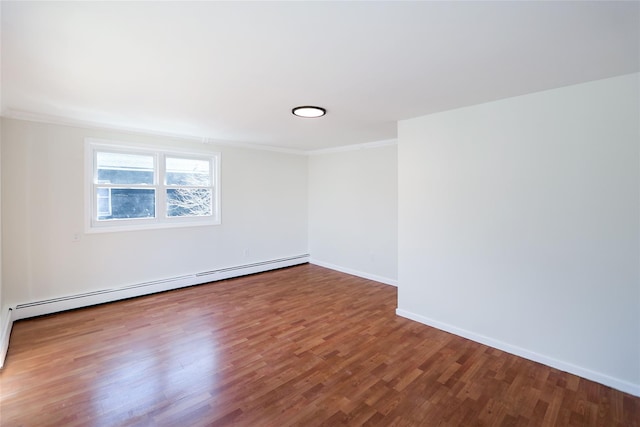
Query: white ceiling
<point x="232" y="71"/>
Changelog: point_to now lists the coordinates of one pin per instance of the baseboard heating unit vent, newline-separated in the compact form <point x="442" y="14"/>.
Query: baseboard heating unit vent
<point x="53" y="305"/>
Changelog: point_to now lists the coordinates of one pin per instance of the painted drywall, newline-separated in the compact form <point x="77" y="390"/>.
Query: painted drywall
<point x="263" y="205"/>
<point x="4" y="309"/>
<point x="519" y="226"/>
<point x="353" y="211"/>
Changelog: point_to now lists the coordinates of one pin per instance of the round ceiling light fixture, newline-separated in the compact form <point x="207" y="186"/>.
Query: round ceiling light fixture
<point x="309" y="111"/>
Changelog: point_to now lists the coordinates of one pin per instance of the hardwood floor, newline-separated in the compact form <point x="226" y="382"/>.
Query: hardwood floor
<point x="301" y="346"/>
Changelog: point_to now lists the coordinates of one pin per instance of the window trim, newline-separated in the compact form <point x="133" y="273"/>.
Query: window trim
<point x="161" y="220"/>
<point x="107" y="197"/>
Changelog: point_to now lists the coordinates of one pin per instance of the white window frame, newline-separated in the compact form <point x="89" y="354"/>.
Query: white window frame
<point x="108" y="197"/>
<point x="161" y="220"/>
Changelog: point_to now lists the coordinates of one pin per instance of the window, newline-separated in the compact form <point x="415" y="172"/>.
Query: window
<point x="138" y="187"/>
<point x="104" y="202"/>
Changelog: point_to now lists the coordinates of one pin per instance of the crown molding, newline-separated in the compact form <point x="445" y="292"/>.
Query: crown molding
<point x="63" y="121"/>
<point x="354" y="147"/>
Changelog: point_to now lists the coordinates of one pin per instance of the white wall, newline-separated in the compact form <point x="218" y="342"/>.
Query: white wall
<point x="264" y="210"/>
<point x="4" y="308"/>
<point x="4" y="313"/>
<point x="519" y="226"/>
<point x="353" y="211"/>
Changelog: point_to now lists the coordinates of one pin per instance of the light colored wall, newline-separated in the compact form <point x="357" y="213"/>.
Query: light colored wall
<point x="263" y="201"/>
<point x="519" y="226"/>
<point x="353" y="211"/>
<point x="4" y="309"/>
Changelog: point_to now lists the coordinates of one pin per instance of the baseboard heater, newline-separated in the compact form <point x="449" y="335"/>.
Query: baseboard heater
<point x="53" y="305"/>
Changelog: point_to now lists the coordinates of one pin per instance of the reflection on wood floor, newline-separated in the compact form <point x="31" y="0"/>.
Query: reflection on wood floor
<point x="300" y="346"/>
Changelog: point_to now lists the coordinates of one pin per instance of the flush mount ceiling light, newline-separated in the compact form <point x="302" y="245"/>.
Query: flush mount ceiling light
<point x="309" y="111"/>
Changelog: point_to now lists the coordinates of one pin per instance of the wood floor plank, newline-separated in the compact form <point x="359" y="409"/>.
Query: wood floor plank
<point x="302" y="346"/>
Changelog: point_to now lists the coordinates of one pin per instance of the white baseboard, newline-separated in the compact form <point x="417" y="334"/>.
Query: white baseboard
<point x="612" y="382"/>
<point x="5" y="334"/>
<point x="69" y="302"/>
<point x="385" y="280"/>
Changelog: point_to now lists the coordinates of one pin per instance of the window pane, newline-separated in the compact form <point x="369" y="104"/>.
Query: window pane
<point x="119" y="168"/>
<point x="190" y="172"/>
<point x="128" y="203"/>
<point x="188" y="202"/>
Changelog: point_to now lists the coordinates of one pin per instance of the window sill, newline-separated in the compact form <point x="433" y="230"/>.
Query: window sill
<point x="150" y="226"/>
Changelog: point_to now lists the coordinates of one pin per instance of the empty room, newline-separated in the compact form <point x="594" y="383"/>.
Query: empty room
<point x="378" y="213"/>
